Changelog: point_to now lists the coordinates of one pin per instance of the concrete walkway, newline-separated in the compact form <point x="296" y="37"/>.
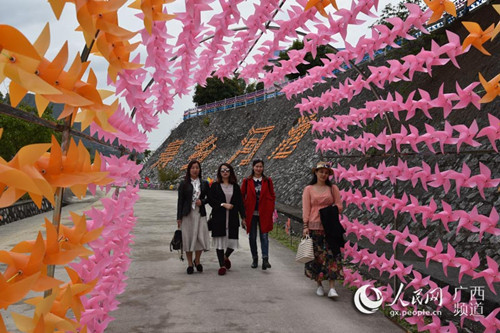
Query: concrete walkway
<point x="161" y="297"/>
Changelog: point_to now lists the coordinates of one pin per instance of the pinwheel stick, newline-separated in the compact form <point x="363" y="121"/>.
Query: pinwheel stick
<point x="59" y="192"/>
<point x="14" y="276"/>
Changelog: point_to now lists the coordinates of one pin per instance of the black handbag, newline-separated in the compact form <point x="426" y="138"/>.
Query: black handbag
<point x="210" y="222"/>
<point x="176" y="243"/>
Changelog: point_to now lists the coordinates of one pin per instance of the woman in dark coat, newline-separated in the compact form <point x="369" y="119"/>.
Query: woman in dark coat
<point x="259" y="199"/>
<point x="225" y="198"/>
<point x="192" y="216"/>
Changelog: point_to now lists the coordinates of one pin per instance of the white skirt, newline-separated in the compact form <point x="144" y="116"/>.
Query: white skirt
<point x="223" y="242"/>
<point x="195" y="236"/>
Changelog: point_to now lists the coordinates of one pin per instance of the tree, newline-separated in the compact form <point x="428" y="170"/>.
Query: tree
<point x="407" y="46"/>
<point x="216" y="90"/>
<point x="19" y="133"/>
<point x="251" y="88"/>
<point x="322" y="50"/>
<point x="398" y="10"/>
<point x="167" y="177"/>
<point x="143" y="157"/>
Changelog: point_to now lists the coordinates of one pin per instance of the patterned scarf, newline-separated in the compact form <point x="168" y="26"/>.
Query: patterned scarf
<point x="196" y="191"/>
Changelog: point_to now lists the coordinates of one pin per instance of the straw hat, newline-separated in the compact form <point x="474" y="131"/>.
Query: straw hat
<point x="323" y="165"/>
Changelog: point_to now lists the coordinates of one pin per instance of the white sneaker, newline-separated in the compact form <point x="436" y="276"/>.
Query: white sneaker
<point x="320" y="291"/>
<point x="333" y="293"/>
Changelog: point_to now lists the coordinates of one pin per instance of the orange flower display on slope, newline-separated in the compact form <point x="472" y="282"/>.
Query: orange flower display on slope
<point x="477" y="37"/>
<point x="491" y="87"/>
<point x="438" y="7"/>
<point x="320" y="5"/>
<point x="21" y="266"/>
<point x="153" y="11"/>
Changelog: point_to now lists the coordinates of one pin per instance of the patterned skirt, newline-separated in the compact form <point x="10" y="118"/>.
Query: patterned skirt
<point x="324" y="266"/>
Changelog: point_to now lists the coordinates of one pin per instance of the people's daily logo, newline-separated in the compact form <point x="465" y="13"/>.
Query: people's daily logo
<point x="364" y="304"/>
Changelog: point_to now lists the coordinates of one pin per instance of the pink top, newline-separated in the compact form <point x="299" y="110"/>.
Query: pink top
<point x="312" y="202"/>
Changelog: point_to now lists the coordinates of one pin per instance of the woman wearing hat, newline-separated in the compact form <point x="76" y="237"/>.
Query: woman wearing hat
<point x="258" y="197"/>
<point x="318" y="194"/>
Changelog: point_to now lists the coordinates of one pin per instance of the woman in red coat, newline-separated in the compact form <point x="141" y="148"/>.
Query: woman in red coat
<point x="258" y="197"/>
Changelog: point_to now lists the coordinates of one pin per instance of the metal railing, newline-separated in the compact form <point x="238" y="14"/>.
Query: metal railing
<point x="237" y="101"/>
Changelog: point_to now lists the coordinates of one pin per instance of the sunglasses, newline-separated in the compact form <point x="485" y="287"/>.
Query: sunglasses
<point x="224" y="170"/>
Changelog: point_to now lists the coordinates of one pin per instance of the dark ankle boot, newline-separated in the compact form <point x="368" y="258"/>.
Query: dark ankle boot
<point x="255" y="262"/>
<point x="265" y="263"/>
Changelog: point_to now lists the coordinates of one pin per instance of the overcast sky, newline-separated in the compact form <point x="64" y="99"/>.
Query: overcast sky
<point x="30" y="16"/>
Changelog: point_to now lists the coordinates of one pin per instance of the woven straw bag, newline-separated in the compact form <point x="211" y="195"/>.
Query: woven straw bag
<point x="305" y="251"/>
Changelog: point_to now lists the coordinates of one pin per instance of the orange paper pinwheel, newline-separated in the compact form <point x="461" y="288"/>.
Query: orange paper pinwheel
<point x="21" y="266"/>
<point x="497" y="28"/>
<point x="55" y="254"/>
<point x="73" y="170"/>
<point x="477" y="37"/>
<point x="491" y="87"/>
<point x="75" y="93"/>
<point x="3" y="329"/>
<point x="320" y="5"/>
<point x="153" y="11"/>
<point x="91" y="16"/>
<point x="77" y="236"/>
<point x="12" y="292"/>
<point x="19" y="61"/>
<point x="20" y="176"/>
<point x="61" y="303"/>
<point x="99" y="21"/>
<point x="44" y="320"/>
<point x="117" y="52"/>
<point x="96" y="112"/>
<point x="78" y="289"/>
<point x="438" y="7"/>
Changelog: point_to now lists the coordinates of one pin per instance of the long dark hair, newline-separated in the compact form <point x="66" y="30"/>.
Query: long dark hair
<point x="254" y="162"/>
<point x="187" y="178"/>
<point x="232" y="175"/>
<point x="314" y="180"/>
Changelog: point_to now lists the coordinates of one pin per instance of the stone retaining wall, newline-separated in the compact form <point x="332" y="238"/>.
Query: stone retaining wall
<point x="22" y="210"/>
<point x="291" y="175"/>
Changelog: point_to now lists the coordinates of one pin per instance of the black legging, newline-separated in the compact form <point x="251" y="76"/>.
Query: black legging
<point x="220" y="255"/>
